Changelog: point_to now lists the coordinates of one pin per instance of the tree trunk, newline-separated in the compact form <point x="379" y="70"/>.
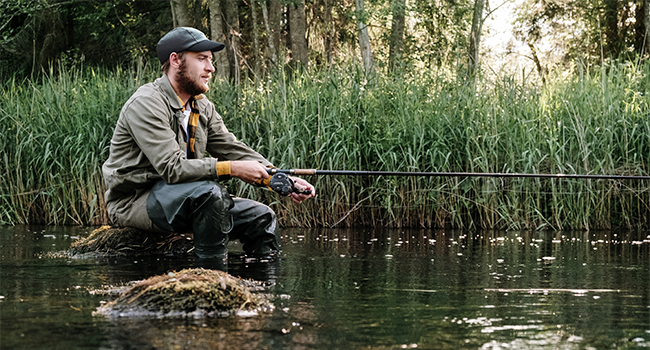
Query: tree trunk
<point x="273" y="56"/>
<point x="273" y="52"/>
<point x="232" y="38"/>
<point x="364" y="38"/>
<point x="328" y="36"/>
<point x="217" y="33"/>
<point x="646" y="24"/>
<point x="255" y="51"/>
<point x="275" y="18"/>
<point x="396" y="34"/>
<point x="272" y="24"/>
<point x="198" y="14"/>
<point x="298" y="29"/>
<point x="475" y="37"/>
<point x="181" y="13"/>
<point x="538" y="63"/>
<point x="612" y="43"/>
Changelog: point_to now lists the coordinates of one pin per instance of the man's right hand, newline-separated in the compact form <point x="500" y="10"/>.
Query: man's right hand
<point x="249" y="171"/>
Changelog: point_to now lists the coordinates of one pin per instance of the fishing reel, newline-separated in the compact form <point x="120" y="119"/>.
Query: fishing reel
<point x="284" y="185"/>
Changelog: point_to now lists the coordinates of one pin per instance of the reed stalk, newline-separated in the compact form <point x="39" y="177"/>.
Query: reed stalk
<point x="56" y="134"/>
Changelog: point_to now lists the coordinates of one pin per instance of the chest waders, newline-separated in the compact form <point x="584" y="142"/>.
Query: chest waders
<point x="206" y="209"/>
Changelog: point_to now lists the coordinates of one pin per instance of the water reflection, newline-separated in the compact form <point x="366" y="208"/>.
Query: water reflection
<point x="353" y="289"/>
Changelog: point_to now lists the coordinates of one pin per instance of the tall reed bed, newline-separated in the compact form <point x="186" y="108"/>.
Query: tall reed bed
<point x="56" y="136"/>
<point x="586" y="123"/>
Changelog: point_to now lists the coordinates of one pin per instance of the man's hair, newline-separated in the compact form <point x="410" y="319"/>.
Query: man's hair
<point x="165" y="66"/>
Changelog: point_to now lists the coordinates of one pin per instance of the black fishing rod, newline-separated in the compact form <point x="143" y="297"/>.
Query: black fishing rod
<point x="450" y="174"/>
<point x="281" y="183"/>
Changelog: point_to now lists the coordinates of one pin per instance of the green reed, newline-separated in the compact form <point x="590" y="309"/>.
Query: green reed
<point x="586" y="123"/>
<point x="56" y="135"/>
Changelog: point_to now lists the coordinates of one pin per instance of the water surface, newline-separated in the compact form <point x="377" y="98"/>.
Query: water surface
<point x="351" y="289"/>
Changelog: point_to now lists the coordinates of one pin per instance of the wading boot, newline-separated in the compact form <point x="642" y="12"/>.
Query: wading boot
<point x="219" y="263"/>
<point x="256" y="228"/>
<point x="211" y="224"/>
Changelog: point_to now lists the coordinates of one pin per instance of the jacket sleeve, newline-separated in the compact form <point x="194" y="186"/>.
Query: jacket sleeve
<point x="148" y="122"/>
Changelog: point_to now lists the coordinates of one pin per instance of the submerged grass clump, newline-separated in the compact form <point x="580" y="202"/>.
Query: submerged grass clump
<point x="57" y="131"/>
<point x="108" y="240"/>
<point x="190" y="292"/>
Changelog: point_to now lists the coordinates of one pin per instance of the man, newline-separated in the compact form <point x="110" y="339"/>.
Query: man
<point x="157" y="176"/>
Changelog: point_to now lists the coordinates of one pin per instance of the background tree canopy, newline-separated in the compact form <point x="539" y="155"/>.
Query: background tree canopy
<point x="263" y="34"/>
<point x="36" y="33"/>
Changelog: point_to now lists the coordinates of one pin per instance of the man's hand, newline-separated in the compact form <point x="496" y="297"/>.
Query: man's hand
<point x="253" y="172"/>
<point x="301" y="184"/>
<point x="248" y="171"/>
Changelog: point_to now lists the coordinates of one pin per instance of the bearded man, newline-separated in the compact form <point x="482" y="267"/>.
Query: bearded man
<point x="169" y="150"/>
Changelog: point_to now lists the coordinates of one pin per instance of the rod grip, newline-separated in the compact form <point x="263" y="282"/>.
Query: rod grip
<point x="272" y="171"/>
<point x="304" y="171"/>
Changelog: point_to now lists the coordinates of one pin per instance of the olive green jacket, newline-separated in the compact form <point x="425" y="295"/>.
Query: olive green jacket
<point x="148" y="144"/>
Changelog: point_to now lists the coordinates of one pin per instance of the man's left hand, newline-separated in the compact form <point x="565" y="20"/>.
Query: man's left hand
<point x="304" y="185"/>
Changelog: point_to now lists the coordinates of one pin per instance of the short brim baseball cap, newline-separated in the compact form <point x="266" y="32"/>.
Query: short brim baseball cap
<point x="185" y="39"/>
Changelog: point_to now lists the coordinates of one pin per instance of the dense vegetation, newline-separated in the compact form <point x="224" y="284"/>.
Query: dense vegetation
<point x="56" y="132"/>
<point x="262" y="35"/>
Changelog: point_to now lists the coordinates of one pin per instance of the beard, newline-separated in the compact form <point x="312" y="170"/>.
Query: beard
<point x="187" y="83"/>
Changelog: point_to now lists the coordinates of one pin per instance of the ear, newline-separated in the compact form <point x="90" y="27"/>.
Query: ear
<point x="174" y="60"/>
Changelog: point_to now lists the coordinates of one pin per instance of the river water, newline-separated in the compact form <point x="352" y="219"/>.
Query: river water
<point x="351" y="289"/>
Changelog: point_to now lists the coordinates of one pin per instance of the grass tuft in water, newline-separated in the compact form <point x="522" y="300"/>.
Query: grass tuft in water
<point x="195" y="292"/>
<point x="109" y="241"/>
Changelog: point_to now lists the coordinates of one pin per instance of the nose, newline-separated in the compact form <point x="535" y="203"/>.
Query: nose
<point x="210" y="66"/>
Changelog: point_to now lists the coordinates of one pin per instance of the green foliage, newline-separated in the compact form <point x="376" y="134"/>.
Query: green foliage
<point x="442" y="27"/>
<point x="425" y="122"/>
<point x="36" y="33"/>
<point x="56" y="136"/>
<point x="592" y="30"/>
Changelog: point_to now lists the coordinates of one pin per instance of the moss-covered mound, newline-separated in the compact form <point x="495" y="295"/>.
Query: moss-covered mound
<point x="190" y="292"/>
<point x="108" y="240"/>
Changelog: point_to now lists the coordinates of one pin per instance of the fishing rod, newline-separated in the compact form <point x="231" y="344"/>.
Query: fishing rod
<point x="273" y="171"/>
<point x="281" y="183"/>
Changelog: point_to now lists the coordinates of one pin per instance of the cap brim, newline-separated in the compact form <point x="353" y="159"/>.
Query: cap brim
<point x="207" y="45"/>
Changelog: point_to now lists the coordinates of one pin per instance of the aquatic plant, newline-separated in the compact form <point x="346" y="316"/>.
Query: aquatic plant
<point x="57" y="132"/>
<point x="588" y="122"/>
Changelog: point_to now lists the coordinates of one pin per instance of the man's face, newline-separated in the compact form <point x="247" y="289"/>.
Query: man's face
<point x="194" y="72"/>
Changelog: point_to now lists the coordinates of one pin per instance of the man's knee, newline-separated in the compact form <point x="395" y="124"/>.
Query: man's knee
<point x="132" y="212"/>
<point x="214" y="205"/>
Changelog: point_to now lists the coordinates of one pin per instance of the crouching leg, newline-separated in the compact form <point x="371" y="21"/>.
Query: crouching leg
<point x="200" y="207"/>
<point x="255" y="225"/>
